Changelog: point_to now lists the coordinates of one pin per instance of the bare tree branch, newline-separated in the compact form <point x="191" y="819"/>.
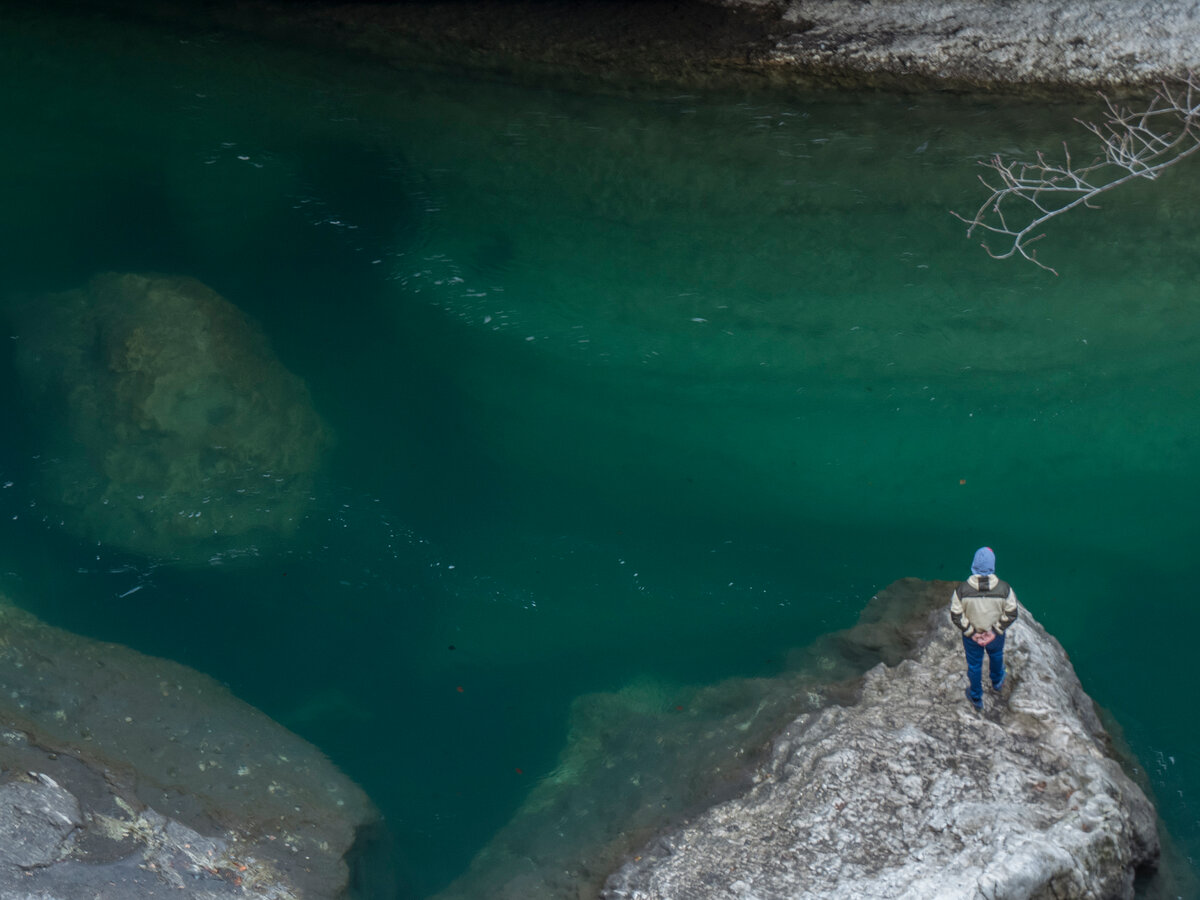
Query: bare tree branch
<point x="1136" y="144"/>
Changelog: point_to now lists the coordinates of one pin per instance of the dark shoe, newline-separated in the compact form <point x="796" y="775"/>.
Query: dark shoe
<point x="978" y="704"/>
<point x="999" y="687"/>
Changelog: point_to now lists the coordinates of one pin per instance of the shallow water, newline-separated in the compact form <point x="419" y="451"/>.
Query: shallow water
<point x="624" y="388"/>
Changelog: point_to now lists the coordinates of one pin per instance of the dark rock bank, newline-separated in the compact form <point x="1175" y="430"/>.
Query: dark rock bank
<point x="123" y="776"/>
<point x="899" y="44"/>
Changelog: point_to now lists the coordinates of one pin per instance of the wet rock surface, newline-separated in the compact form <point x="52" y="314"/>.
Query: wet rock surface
<point x="908" y="792"/>
<point x="125" y="776"/>
<point x="184" y="436"/>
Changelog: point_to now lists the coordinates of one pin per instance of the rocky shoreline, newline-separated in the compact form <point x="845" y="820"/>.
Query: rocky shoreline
<point x="976" y="45"/>
<point x="982" y="44"/>
<point x="124" y="776"/>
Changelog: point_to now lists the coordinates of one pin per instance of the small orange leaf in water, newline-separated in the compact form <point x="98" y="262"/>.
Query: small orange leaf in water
<point x="962" y="481"/>
<point x="679" y="708"/>
<point x="459" y="689"/>
<point x="519" y="772"/>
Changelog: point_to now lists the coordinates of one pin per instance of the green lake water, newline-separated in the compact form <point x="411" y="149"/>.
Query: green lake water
<point x="626" y="387"/>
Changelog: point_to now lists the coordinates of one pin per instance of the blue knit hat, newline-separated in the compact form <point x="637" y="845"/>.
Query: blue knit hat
<point x="984" y="562"/>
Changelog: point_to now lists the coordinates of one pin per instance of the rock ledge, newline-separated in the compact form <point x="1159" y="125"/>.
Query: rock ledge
<point x="910" y="793"/>
<point x="126" y="777"/>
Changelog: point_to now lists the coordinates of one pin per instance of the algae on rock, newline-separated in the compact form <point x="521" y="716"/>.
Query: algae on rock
<point x="182" y="434"/>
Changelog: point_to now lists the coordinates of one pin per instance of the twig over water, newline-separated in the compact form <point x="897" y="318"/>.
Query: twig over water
<point x="1136" y="144"/>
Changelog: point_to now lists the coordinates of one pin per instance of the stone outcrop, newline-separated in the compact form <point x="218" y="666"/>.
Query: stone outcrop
<point x="827" y="747"/>
<point x="909" y="793"/>
<point x="123" y="776"/>
<point x="185" y="436"/>
<point x="982" y="43"/>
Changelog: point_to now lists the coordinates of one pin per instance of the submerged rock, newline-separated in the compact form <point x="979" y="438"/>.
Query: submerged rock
<point x="183" y="435"/>
<point x="634" y="759"/>
<point x="908" y="792"/>
<point x="123" y="776"/>
<point x="641" y="757"/>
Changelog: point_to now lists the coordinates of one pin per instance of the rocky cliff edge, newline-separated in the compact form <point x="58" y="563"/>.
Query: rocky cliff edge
<point x="910" y="794"/>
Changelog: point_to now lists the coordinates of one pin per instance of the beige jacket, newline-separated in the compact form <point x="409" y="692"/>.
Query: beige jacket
<point x="983" y="603"/>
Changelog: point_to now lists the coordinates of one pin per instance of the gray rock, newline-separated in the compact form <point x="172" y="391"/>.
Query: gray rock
<point x="984" y="42"/>
<point x="38" y="820"/>
<point x="909" y="793"/>
<point x="641" y="757"/>
<point x="125" y="776"/>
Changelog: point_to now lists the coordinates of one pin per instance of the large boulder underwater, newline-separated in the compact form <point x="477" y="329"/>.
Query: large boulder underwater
<point x="171" y="427"/>
<point x="862" y="771"/>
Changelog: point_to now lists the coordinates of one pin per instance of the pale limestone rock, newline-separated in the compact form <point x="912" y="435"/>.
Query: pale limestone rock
<point x="986" y="42"/>
<point x="911" y="794"/>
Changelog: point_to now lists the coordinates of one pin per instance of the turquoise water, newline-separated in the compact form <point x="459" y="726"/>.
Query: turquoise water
<point x="624" y="387"/>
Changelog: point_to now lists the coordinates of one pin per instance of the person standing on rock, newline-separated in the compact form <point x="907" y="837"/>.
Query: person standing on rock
<point x="983" y="607"/>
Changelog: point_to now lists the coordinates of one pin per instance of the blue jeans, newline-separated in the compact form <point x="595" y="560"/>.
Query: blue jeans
<point x="995" y="653"/>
